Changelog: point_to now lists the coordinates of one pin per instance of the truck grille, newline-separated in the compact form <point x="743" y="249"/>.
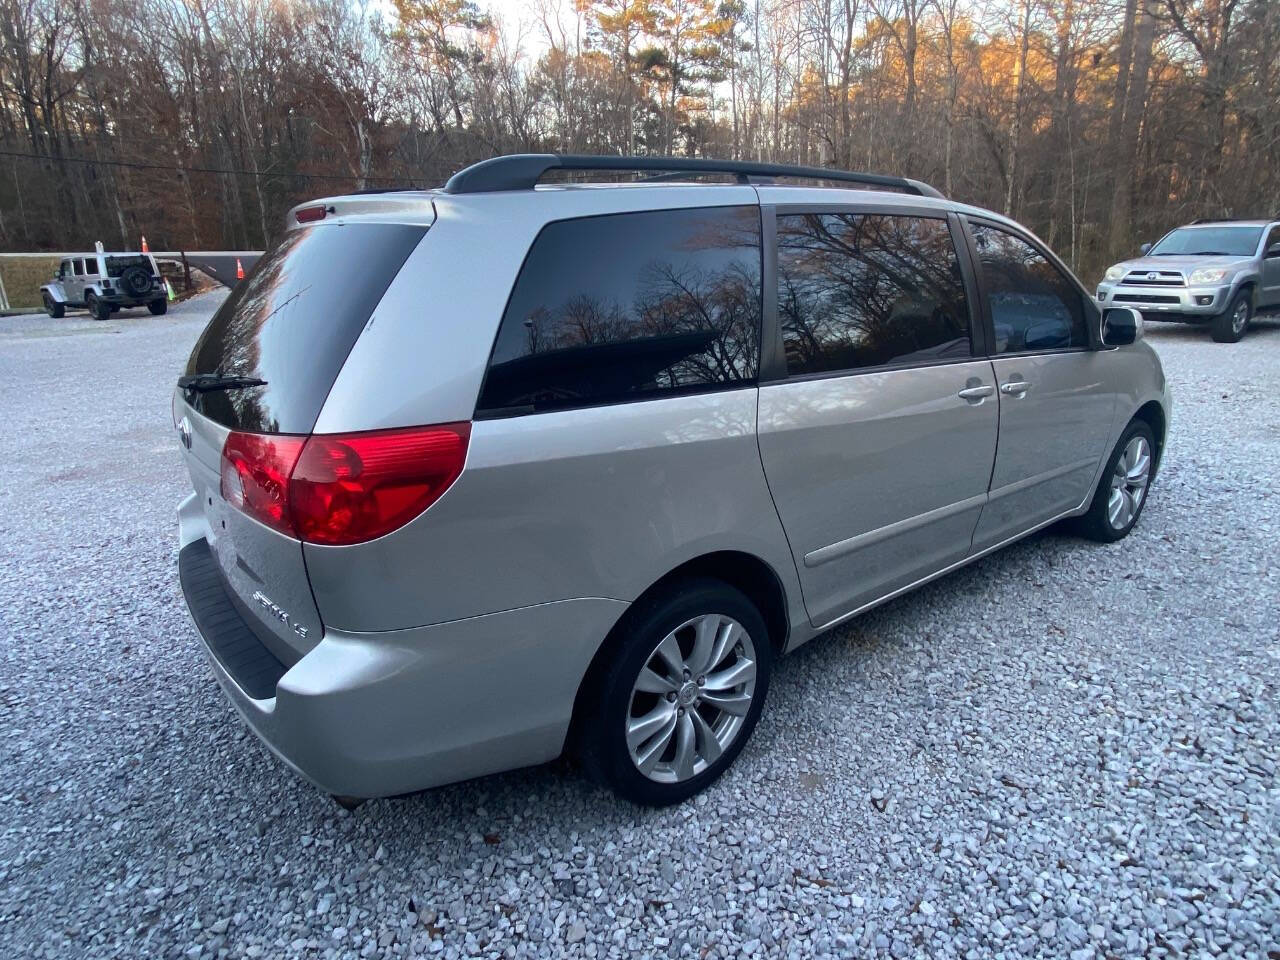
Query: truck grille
<point x="1144" y="298"/>
<point x="1155" y="278"/>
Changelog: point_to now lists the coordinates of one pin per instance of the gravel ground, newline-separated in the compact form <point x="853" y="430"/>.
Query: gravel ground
<point x="1063" y="750"/>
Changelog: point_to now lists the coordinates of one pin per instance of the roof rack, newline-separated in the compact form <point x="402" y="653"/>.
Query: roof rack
<point x="522" y="171"/>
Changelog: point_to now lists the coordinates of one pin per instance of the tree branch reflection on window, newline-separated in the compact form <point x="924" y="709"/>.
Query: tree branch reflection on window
<point x="868" y="290"/>
<point x="631" y="306"/>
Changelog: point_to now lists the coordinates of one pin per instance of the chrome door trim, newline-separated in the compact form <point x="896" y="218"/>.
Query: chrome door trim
<point x="1027" y="482"/>
<point x="834" y="551"/>
<point x="948" y="569"/>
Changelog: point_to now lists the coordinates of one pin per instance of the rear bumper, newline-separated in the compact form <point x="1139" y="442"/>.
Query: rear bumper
<point x="379" y="714"/>
<point x="120" y="300"/>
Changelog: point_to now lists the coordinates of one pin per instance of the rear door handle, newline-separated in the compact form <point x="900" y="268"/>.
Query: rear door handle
<point x="1015" y="388"/>
<point x="977" y="393"/>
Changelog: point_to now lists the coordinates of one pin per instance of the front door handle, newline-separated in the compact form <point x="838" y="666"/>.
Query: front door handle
<point x="1015" y="388"/>
<point x="977" y="393"/>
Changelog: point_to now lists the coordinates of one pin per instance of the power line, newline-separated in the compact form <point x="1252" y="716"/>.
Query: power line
<point x="133" y="165"/>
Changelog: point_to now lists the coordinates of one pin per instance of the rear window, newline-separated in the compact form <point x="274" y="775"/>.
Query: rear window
<point x="118" y="265"/>
<point x="293" y="321"/>
<point x="629" y="307"/>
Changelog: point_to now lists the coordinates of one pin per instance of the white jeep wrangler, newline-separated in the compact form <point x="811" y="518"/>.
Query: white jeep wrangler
<point x="104" y="283"/>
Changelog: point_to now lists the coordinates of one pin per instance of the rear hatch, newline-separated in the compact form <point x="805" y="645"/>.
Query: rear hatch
<point x="286" y="331"/>
<point x="132" y="275"/>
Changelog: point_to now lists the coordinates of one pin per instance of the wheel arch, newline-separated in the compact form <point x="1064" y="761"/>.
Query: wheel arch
<point x="1153" y="414"/>
<point x="744" y="571"/>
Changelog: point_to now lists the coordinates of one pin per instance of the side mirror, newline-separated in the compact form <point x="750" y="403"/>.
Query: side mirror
<point x="1273" y="251"/>
<point x="1121" y="326"/>
<point x="1144" y="249"/>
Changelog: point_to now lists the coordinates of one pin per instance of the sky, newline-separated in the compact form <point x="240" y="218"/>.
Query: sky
<point x="522" y="20"/>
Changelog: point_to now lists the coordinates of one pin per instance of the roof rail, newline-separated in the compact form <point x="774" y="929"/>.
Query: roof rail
<point x="522" y="171"/>
<point x="1201" y="220"/>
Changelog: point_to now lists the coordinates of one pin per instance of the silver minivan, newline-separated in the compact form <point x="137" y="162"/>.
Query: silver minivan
<point x="493" y="472"/>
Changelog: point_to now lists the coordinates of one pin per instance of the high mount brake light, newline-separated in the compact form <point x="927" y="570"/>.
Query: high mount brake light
<point x="311" y="214"/>
<point x="339" y="489"/>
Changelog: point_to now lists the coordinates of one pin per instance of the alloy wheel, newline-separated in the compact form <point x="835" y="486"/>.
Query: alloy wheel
<point x="1129" y="483"/>
<point x="1241" y="316"/>
<point x="691" y="698"/>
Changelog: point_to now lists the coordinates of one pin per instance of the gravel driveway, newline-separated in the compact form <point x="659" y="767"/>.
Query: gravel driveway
<point x="1063" y="750"/>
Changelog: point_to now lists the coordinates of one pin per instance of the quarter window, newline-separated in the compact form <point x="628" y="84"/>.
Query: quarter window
<point x="868" y="290"/>
<point x="629" y="307"/>
<point x="1034" y="306"/>
<point x="79" y="267"/>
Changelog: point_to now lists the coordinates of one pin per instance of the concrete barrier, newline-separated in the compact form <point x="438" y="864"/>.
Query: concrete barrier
<point x="22" y="274"/>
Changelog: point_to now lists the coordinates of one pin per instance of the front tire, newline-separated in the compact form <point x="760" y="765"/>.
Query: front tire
<point x="1230" y="325"/>
<point x="53" y="308"/>
<point x="680" y="695"/>
<point x="1122" y="491"/>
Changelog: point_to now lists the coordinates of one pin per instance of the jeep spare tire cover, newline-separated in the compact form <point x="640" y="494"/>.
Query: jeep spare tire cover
<point x="135" y="280"/>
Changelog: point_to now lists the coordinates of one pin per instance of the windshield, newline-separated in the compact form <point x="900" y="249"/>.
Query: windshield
<point x="118" y="265"/>
<point x="1228" y="241"/>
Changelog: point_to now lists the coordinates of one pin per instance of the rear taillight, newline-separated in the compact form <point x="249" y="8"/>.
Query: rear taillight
<point x="340" y="489"/>
<point x="255" y="476"/>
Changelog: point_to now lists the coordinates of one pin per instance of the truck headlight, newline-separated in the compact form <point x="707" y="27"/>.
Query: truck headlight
<point x="1115" y="273"/>
<point x="1207" y="275"/>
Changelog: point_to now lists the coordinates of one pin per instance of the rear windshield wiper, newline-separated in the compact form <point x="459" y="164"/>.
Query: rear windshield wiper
<point x="208" y="382"/>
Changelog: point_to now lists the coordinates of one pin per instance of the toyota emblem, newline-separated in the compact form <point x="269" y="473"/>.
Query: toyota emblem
<point x="1153" y="276"/>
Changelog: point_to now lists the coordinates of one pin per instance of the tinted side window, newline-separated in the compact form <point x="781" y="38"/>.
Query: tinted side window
<point x="1033" y="305"/>
<point x="628" y="307"/>
<point x="79" y="267"/>
<point x="867" y="290"/>
<point x="117" y="265"/>
<point x="1274" y="238"/>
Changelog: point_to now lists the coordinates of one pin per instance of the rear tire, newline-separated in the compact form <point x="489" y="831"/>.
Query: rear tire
<point x="53" y="308"/>
<point x="1230" y="325"/>
<point x="97" y="308"/>
<point x="1122" y="491"/>
<point x="158" y="307"/>
<point x="697" y="660"/>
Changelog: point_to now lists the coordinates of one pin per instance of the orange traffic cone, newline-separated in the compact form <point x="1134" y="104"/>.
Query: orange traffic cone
<point x="145" y="248"/>
<point x="239" y="269"/>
